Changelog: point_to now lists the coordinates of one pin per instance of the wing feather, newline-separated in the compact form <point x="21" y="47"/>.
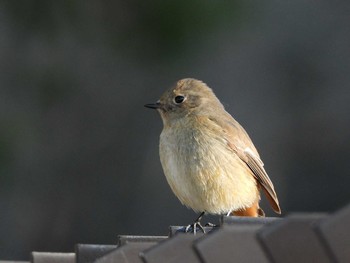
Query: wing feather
<point x="260" y="174"/>
<point x="240" y="143"/>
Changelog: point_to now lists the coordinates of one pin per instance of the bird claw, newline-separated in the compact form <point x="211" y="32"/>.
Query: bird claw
<point x="193" y="228"/>
<point x="210" y="224"/>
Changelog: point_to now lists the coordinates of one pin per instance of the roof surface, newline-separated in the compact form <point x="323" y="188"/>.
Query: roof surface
<point x="300" y="237"/>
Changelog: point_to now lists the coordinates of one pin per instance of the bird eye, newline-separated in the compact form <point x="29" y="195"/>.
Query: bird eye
<point x="179" y="99"/>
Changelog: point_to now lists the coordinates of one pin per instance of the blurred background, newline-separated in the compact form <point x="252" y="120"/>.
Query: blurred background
<point x="78" y="151"/>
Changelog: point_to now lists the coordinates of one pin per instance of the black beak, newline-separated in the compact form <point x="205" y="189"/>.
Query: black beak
<point x="153" y="105"/>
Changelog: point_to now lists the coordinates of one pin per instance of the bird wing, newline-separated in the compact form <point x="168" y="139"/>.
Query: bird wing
<point x="255" y="165"/>
<point x="240" y="143"/>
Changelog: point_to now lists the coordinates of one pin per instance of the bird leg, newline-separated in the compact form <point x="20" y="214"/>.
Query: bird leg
<point x="196" y="223"/>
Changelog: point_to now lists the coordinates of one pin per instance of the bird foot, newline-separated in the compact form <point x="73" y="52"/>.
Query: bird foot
<point x="196" y="223"/>
<point x="192" y="228"/>
<point x="210" y="224"/>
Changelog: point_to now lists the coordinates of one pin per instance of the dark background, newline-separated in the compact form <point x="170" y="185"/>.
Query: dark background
<point x="78" y="151"/>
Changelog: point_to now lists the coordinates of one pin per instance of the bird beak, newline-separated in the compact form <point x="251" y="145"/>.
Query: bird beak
<point x="156" y="105"/>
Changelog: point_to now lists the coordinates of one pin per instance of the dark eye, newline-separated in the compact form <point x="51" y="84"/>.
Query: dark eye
<point x="179" y="99"/>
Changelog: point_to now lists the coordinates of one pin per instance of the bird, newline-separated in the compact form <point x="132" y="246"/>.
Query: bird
<point x="208" y="159"/>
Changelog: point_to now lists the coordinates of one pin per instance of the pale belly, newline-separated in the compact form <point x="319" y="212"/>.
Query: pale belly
<point x="205" y="175"/>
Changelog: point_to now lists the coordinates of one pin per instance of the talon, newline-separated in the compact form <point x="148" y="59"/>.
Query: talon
<point x="210" y="224"/>
<point x="193" y="227"/>
<point x="196" y="224"/>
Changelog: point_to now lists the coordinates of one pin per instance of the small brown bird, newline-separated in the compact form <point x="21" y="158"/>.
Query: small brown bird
<point x="208" y="158"/>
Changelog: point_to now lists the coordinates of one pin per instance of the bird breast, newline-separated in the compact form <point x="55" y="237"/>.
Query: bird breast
<point x="202" y="171"/>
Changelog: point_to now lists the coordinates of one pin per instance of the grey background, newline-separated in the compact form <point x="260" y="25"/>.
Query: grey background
<point x="78" y="151"/>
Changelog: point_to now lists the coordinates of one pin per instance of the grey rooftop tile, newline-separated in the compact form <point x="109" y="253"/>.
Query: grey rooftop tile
<point x="248" y="220"/>
<point x="231" y="243"/>
<point x="335" y="232"/>
<point x="50" y="257"/>
<point x="179" y="248"/>
<point x="88" y="253"/>
<point x="129" y="249"/>
<point x="125" y="239"/>
<point x="128" y="253"/>
<point x="294" y="239"/>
